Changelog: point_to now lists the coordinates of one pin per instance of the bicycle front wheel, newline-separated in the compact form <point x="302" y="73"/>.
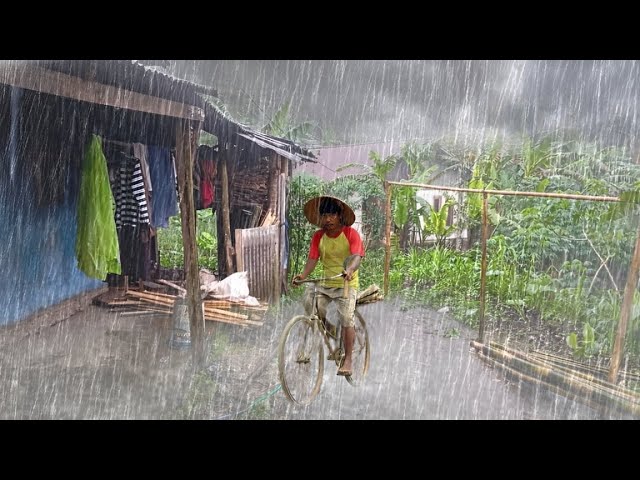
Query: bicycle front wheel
<point x="361" y="355"/>
<point x="300" y="360"/>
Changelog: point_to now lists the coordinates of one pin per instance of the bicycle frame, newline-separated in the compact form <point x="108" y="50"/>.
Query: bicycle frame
<point x="336" y="348"/>
<point x="301" y="358"/>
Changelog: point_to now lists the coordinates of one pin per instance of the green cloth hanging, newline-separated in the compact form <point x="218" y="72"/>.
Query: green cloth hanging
<point x="97" y="248"/>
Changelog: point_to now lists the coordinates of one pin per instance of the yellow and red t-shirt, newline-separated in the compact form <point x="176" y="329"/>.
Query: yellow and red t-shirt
<point x="333" y="250"/>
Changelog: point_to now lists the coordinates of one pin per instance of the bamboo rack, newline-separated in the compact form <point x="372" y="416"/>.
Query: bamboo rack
<point x="632" y="276"/>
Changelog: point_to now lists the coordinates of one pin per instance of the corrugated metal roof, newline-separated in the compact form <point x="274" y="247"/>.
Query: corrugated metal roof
<point x="156" y="81"/>
<point x="220" y="123"/>
<point x="134" y="76"/>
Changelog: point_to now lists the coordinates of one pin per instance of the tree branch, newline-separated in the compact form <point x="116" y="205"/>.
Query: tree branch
<point x="603" y="263"/>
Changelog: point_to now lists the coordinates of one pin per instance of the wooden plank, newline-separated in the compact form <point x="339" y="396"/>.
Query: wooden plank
<point x="173" y="285"/>
<point x="217" y="303"/>
<point x="152" y="297"/>
<point x="143" y="312"/>
<point x="242" y="323"/>
<point x="239" y="250"/>
<point x="225" y="313"/>
<point x="160" y="294"/>
<point x="225" y="320"/>
<point x="152" y="285"/>
<point x="43" y="80"/>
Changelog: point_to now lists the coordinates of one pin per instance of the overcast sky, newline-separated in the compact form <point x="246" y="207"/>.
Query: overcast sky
<point x="382" y="100"/>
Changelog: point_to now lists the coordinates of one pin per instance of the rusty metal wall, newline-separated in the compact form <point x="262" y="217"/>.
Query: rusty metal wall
<point x="258" y="253"/>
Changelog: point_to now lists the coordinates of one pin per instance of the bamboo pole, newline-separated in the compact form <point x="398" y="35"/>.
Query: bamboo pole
<point x="511" y="192"/>
<point x="152" y="298"/>
<point x="584" y="391"/>
<point x="483" y="268"/>
<point x="387" y="236"/>
<point x="601" y="371"/>
<point x="186" y="141"/>
<point x="172" y="285"/>
<point x="225" y="313"/>
<point x="518" y="375"/>
<point x="569" y="372"/>
<point x="625" y="311"/>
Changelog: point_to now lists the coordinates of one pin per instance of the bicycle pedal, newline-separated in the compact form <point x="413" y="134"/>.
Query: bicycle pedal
<point x="334" y="355"/>
<point x="303" y="359"/>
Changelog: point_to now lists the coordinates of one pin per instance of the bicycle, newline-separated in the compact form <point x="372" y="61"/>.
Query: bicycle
<point x="301" y="353"/>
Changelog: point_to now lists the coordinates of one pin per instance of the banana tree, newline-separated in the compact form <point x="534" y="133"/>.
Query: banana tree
<point x="281" y="125"/>
<point x="435" y="221"/>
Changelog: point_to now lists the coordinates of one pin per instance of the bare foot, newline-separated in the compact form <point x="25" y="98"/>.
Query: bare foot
<point x="345" y="369"/>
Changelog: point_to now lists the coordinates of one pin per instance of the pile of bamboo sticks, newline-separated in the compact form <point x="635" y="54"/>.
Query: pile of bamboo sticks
<point x="224" y="311"/>
<point x="562" y="376"/>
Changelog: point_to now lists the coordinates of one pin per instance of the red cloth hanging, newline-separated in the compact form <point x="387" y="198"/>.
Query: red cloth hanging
<point x="207" y="192"/>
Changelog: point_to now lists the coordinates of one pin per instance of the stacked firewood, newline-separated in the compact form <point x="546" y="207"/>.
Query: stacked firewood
<point x="370" y="294"/>
<point x="151" y="301"/>
<point x="225" y="311"/>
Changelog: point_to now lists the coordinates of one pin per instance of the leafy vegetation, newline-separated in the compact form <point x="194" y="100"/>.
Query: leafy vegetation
<point x="555" y="262"/>
<point x="170" y="245"/>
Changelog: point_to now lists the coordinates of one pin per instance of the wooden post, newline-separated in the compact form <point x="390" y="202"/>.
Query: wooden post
<point x="387" y="236"/>
<point x="281" y="277"/>
<point x="226" y="225"/>
<point x="272" y="214"/>
<point x="185" y="153"/>
<point x="275" y="287"/>
<point x="483" y="268"/>
<point x="625" y="312"/>
<point x="285" y="172"/>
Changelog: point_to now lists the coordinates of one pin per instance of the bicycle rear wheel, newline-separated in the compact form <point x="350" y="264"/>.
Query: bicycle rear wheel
<point x="300" y="360"/>
<point x="360" y="355"/>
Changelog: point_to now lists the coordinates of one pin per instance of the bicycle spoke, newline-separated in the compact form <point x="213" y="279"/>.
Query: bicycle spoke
<point x="300" y="360"/>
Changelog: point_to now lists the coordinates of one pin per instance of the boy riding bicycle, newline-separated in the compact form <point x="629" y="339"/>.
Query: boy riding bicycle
<point x="332" y="245"/>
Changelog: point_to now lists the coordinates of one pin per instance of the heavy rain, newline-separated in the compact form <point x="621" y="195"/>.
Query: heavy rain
<point x="155" y="215"/>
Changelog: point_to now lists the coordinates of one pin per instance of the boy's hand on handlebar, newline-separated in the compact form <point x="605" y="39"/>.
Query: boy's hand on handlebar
<point x="347" y="274"/>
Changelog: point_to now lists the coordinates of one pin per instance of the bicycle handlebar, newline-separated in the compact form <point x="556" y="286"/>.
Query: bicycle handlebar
<point x="320" y="279"/>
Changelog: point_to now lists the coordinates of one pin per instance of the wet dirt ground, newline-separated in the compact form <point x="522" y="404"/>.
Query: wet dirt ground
<point x="99" y="364"/>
